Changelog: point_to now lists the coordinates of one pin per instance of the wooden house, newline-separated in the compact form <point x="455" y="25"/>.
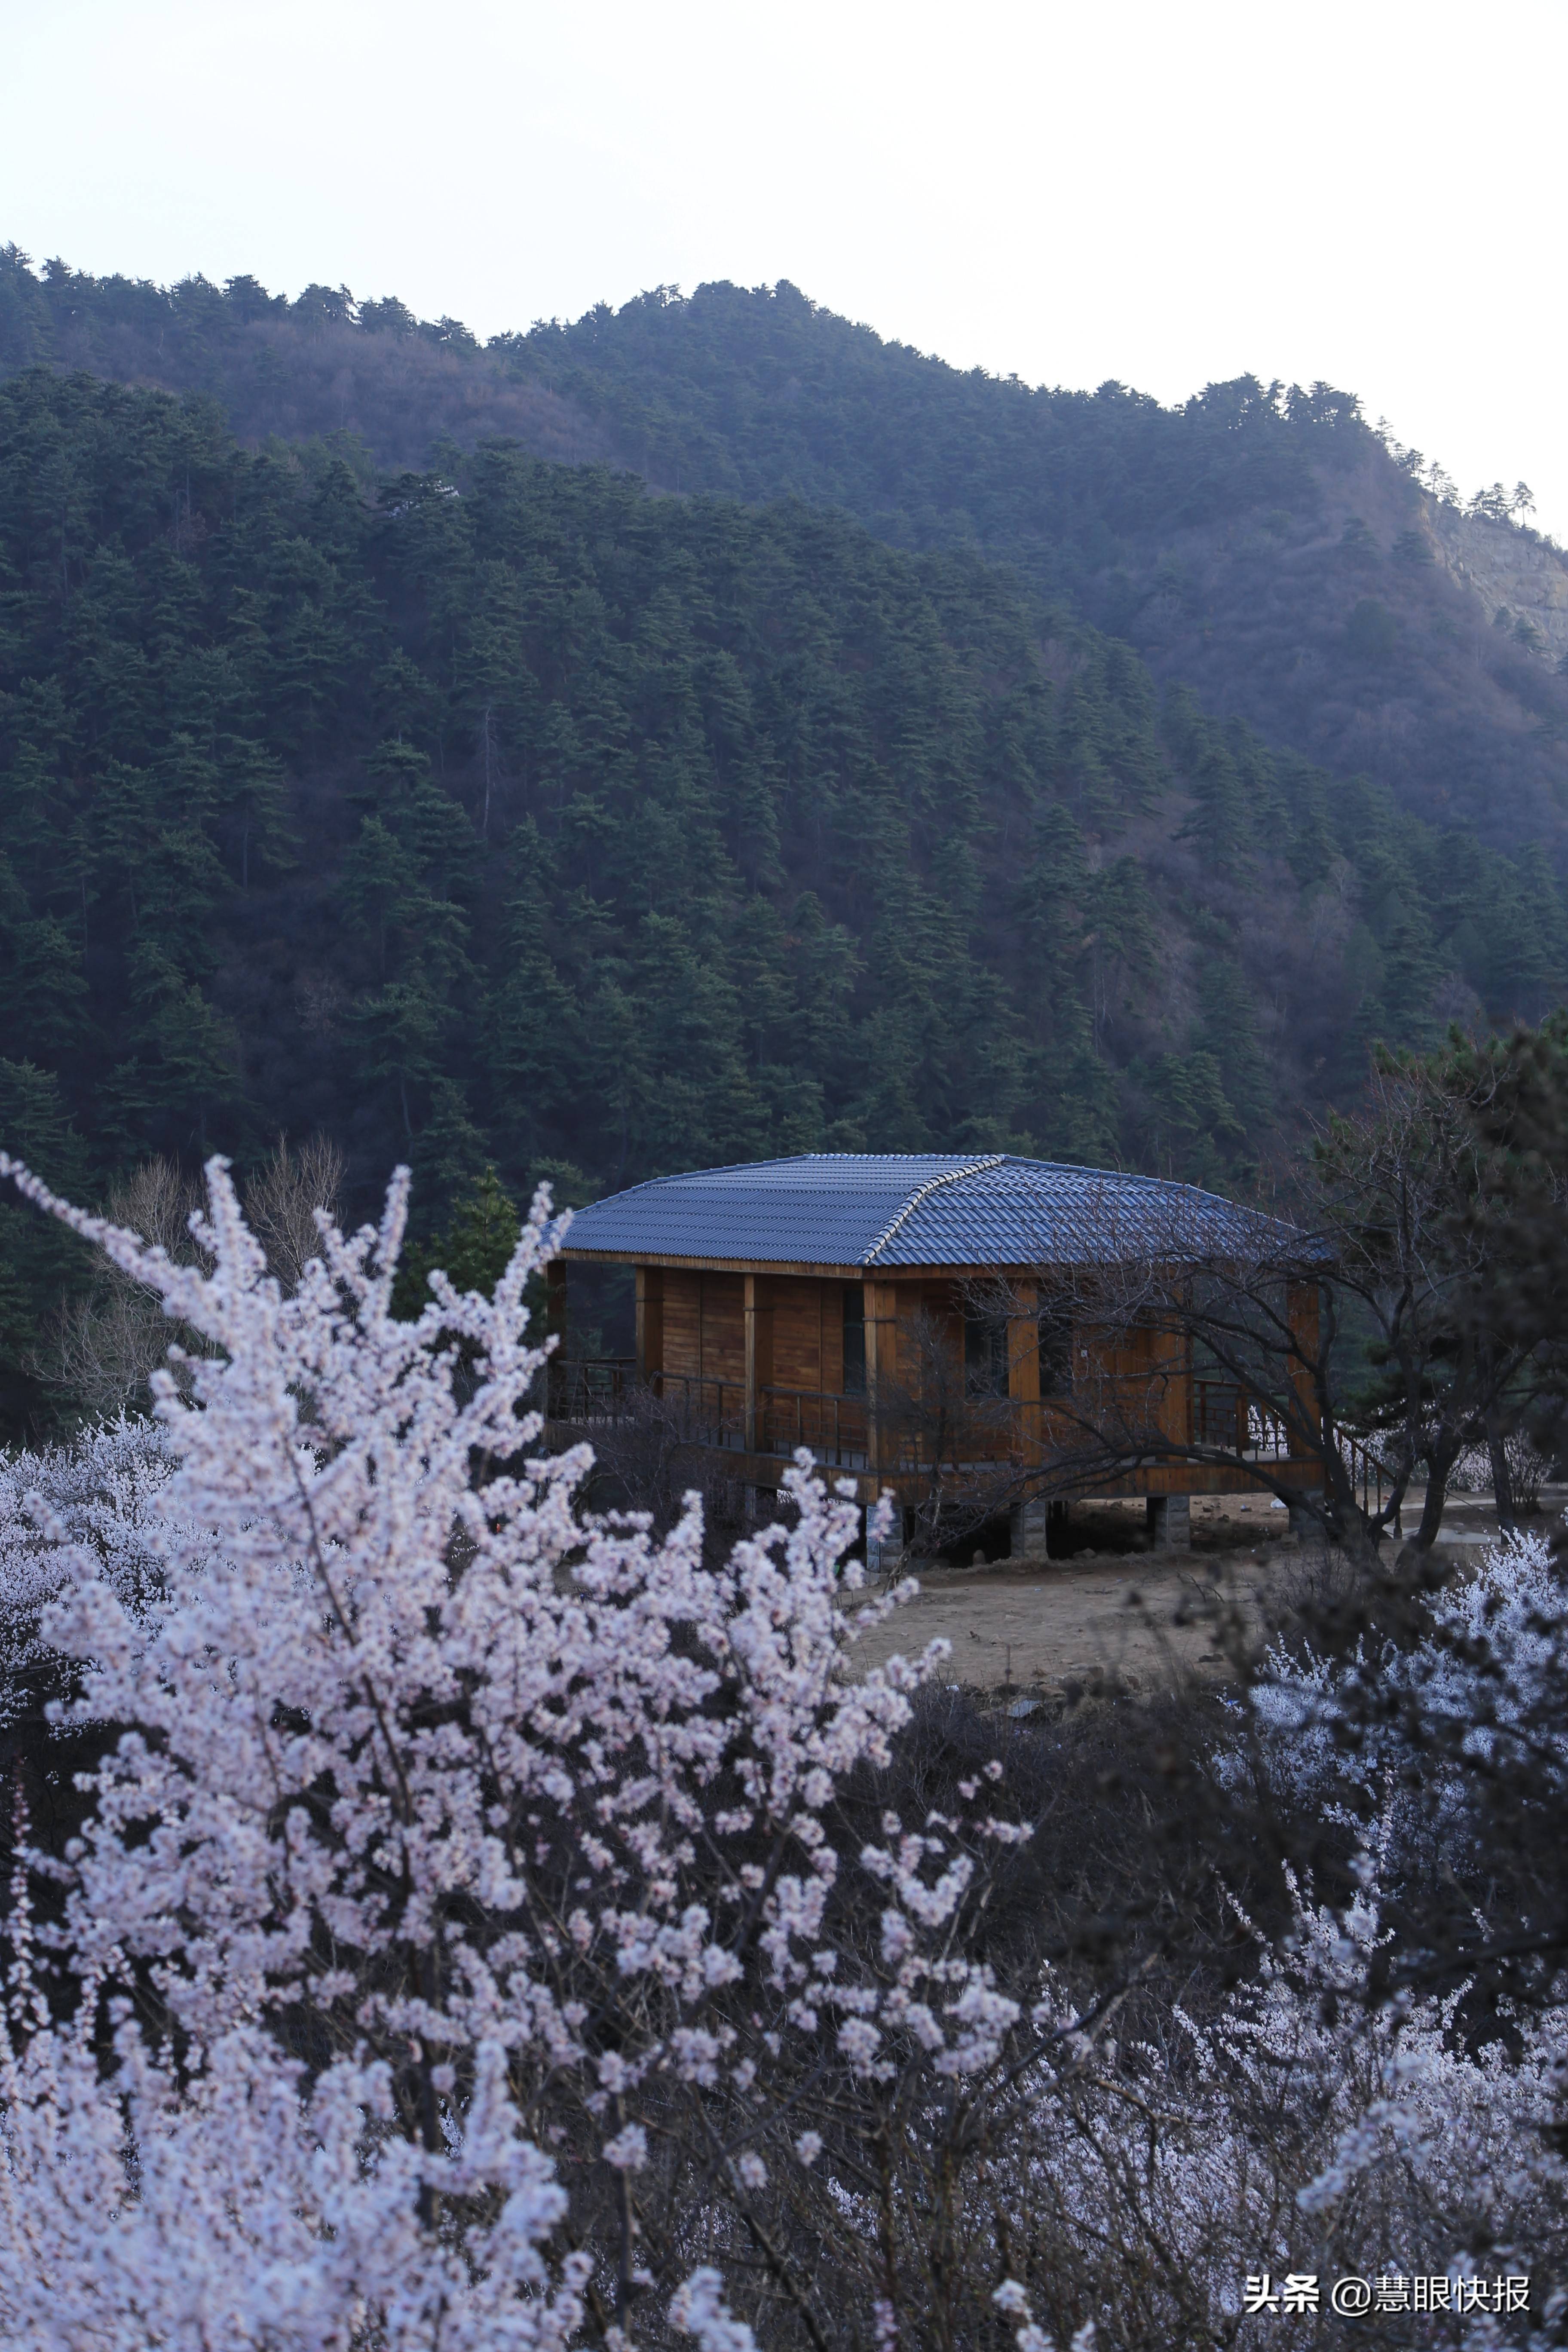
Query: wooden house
<point x="903" y="1313"/>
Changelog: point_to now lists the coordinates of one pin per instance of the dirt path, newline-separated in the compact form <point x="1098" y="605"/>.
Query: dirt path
<point x="1114" y="1611"/>
<point x="1057" y="1632"/>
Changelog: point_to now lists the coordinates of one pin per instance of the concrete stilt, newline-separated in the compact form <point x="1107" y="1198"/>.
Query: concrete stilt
<point x="1029" y="1531"/>
<point x="1303" y="1525"/>
<point x="1171" y="1522"/>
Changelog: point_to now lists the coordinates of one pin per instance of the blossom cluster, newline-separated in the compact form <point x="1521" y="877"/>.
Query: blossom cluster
<point x="1292" y="2126"/>
<point x="1479" y="1687"/>
<point x="102" y="1494"/>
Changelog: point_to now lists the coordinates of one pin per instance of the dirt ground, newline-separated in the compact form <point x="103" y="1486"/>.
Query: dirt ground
<point x="1114" y="1613"/>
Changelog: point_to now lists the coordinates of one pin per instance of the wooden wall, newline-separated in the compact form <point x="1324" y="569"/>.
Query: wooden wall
<point x="791" y="1329"/>
<point x="695" y="1324"/>
<point x="702" y="1326"/>
<point x="808" y="1332"/>
<point x="1140" y="1379"/>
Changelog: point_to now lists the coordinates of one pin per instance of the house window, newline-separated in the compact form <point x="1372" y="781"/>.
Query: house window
<point x="854" y="1339"/>
<point x="1055" y="1356"/>
<point x="985" y="1355"/>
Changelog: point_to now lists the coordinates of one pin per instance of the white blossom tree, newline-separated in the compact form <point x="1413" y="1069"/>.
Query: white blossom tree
<point x="459" y="1846"/>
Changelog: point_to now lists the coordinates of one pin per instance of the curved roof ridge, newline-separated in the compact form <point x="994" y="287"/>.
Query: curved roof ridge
<point x="922" y="1191"/>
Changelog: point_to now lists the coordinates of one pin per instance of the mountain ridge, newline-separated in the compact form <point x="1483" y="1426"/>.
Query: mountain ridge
<point x="1261" y="544"/>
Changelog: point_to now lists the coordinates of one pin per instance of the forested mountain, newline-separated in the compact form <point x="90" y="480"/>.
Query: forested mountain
<point x="1258" y="543"/>
<point x="504" y="810"/>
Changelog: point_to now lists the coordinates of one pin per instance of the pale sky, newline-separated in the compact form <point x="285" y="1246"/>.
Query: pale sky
<point x="1164" y="194"/>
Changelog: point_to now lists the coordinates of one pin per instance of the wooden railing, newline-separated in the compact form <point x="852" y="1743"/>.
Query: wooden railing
<point x="593" y="1387"/>
<point x="708" y="1412"/>
<point x="1218" y="1415"/>
<point x="1223" y="1415"/>
<point x="711" y="1411"/>
<point x="1226" y="1415"/>
<point x="832" y="1426"/>
<point x="607" y="1388"/>
<point x="982" y="1433"/>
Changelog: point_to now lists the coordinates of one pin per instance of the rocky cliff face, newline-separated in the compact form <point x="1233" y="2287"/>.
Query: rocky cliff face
<point x="1519" y="579"/>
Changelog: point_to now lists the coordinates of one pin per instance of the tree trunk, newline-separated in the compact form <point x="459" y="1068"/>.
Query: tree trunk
<point x="1440" y="1469"/>
<point x="1502" y="1474"/>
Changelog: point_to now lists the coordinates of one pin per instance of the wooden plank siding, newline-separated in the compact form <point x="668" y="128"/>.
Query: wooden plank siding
<point x="682" y="1321"/>
<point x="704" y="1326"/>
<point x="882" y="1357"/>
<point x="1302" y="1309"/>
<point x="809" y="1335"/>
<point x="1024" y="1373"/>
<point x="724" y="1328"/>
<point x="757" y="1314"/>
<point x="649" y="1321"/>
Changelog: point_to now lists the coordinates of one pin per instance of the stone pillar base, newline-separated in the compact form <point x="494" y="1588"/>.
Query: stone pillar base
<point x="1171" y="1522"/>
<point x="1030" y="1532"/>
<point x="884" y="1559"/>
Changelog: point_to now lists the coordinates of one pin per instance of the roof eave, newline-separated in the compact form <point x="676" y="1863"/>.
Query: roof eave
<point x="829" y="1272"/>
<point x="850" y="1270"/>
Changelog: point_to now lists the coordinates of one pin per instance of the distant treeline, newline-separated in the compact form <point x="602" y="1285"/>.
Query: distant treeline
<point x="756" y="395"/>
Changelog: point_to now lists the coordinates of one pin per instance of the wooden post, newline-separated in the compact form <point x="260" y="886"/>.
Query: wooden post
<point x="1189" y="1387"/>
<point x="1029" y="1519"/>
<point x="1024" y="1372"/>
<point x="881" y="1364"/>
<point x="556" y="1322"/>
<point x="881" y="1306"/>
<point x="1302" y="1309"/>
<point x="873" y="1450"/>
<point x="758" y="1311"/>
<point x="1176" y="1377"/>
<point x="650" y="1322"/>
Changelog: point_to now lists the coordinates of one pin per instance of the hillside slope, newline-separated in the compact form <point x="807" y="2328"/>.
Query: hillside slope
<point x="1261" y="544"/>
<point x="533" y="818"/>
<point x="1264" y="547"/>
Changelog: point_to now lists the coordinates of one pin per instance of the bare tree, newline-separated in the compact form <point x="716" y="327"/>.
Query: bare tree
<point x="655" y="1444"/>
<point x="1407" y="1313"/>
<point x="1217" y="1358"/>
<point x="283" y="1197"/>
<point x="1444" y="1216"/>
<point x="105" y="1348"/>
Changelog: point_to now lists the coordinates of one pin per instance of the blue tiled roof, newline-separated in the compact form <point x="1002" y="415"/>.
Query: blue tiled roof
<point x="913" y="1208"/>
